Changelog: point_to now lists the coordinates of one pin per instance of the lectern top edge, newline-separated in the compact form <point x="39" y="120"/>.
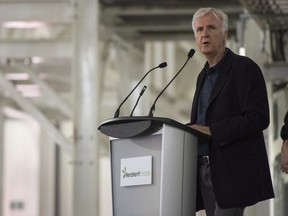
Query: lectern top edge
<point x="124" y="127"/>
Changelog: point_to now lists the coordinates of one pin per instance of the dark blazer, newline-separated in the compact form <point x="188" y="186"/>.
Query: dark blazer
<point x="284" y="129"/>
<point x="237" y="114"/>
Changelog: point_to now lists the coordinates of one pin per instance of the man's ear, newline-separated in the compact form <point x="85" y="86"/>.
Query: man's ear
<point x="226" y="35"/>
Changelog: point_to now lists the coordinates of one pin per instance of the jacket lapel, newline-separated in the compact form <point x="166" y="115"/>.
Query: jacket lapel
<point x="196" y="96"/>
<point x="221" y="79"/>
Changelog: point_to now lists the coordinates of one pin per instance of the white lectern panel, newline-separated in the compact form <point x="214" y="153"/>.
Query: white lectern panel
<point x="139" y="200"/>
<point x="172" y="192"/>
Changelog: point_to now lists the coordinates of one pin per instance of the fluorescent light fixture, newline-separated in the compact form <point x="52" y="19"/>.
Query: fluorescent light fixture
<point x="29" y="90"/>
<point x="15" y="114"/>
<point x="17" y="76"/>
<point x="37" y="60"/>
<point x="23" y="24"/>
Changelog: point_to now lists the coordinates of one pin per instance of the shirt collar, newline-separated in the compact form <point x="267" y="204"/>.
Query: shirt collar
<point x="216" y="68"/>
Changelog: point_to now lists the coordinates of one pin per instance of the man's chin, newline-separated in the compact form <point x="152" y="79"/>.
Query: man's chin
<point x="205" y="51"/>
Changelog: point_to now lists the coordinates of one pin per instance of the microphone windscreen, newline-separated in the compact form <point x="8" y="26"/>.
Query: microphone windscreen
<point x="163" y="64"/>
<point x="191" y="53"/>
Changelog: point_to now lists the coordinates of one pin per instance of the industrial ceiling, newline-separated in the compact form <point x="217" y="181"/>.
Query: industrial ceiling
<point x="162" y="20"/>
<point x="135" y="21"/>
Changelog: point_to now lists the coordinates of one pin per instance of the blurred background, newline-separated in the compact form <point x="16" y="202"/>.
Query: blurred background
<point x="66" y="65"/>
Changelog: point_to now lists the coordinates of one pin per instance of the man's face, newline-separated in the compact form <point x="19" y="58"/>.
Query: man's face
<point x="209" y="35"/>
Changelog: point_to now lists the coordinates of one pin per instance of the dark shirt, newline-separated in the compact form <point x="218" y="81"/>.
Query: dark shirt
<point x="284" y="130"/>
<point x="211" y="75"/>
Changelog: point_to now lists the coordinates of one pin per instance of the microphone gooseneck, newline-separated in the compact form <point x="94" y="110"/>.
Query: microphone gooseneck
<point x="152" y="109"/>
<point x="162" y="65"/>
<point x="140" y="95"/>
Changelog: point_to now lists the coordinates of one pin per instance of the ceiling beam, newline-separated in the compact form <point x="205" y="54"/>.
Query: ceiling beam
<point x="148" y="11"/>
<point x="45" y="12"/>
<point x="48" y="91"/>
<point x="23" y="49"/>
<point x="30" y="108"/>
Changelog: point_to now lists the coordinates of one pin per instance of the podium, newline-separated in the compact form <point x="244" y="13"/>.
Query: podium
<point x="153" y="166"/>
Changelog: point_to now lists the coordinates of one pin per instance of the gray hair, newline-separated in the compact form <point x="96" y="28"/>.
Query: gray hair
<point x="217" y="12"/>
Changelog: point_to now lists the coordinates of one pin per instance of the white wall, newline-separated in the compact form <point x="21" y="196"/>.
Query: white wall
<point x="21" y="167"/>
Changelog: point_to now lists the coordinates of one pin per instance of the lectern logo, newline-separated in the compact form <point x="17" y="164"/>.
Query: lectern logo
<point x="131" y="174"/>
<point x="136" y="171"/>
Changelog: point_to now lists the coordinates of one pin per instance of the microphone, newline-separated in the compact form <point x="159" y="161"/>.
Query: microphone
<point x="162" y="65"/>
<point x="152" y="109"/>
<point x="140" y="95"/>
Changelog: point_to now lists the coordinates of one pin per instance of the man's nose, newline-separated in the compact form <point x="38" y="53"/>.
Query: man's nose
<point x="205" y="32"/>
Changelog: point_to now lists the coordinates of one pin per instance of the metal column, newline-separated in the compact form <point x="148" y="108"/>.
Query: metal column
<point x="1" y="160"/>
<point x="85" y="187"/>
